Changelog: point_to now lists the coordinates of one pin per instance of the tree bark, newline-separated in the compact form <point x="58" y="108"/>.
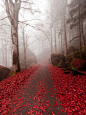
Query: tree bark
<point x="14" y="36"/>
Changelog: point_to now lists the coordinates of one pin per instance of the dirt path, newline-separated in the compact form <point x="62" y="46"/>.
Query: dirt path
<point x="37" y="97"/>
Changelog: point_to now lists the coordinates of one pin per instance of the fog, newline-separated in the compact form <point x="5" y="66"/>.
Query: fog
<point x="42" y="28"/>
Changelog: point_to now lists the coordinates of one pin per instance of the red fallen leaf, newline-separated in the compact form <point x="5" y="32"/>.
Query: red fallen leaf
<point x="21" y="109"/>
<point x="26" y="94"/>
<point x="47" y="101"/>
<point x="52" y="112"/>
<point x="34" y="97"/>
<point x="13" y="110"/>
<point x="38" y="113"/>
<point x="31" y="111"/>
<point x="43" y="108"/>
<point x="27" y="104"/>
<point x="62" y="110"/>
<point x="23" y="105"/>
<point x="47" y="105"/>
<point x="27" y="112"/>
<point x="56" y="104"/>
<point x="34" y="106"/>
<point x="52" y="95"/>
<point x="55" y="108"/>
<point x="53" y="105"/>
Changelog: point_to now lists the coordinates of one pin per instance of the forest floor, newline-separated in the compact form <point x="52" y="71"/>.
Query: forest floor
<point x="43" y="90"/>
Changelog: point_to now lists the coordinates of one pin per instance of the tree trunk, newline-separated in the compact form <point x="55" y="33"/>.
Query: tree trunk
<point x="43" y="49"/>
<point x="6" y="52"/>
<point x="3" y="52"/>
<point x="14" y="36"/>
<point x="61" y="42"/>
<point x="24" y="50"/>
<point x="39" y="46"/>
<point x="65" y="37"/>
<point x="64" y="23"/>
<point x="6" y="56"/>
<point x="80" y="28"/>
<point x="51" y="40"/>
<point x="55" y="41"/>
<point x="82" y="33"/>
<point x="11" y="51"/>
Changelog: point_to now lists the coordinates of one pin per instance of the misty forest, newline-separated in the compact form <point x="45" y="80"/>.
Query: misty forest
<point x="42" y="57"/>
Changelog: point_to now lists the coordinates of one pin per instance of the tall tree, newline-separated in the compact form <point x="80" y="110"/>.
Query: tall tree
<point x="12" y="10"/>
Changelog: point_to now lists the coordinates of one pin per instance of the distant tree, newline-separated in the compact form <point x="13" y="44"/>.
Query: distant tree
<point x="58" y="14"/>
<point x="77" y="11"/>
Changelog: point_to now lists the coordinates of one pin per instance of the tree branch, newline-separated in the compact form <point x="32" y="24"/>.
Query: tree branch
<point x="32" y="42"/>
<point x="7" y="10"/>
<point x="5" y="25"/>
<point x="27" y="24"/>
<point x="31" y="9"/>
<point x="4" y="18"/>
<point x="27" y="20"/>
<point x="73" y="38"/>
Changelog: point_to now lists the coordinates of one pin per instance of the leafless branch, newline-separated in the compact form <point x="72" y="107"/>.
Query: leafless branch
<point x="44" y="34"/>
<point x="27" y="2"/>
<point x="5" y="25"/>
<point x="27" y="24"/>
<point x="3" y="18"/>
<point x="73" y="38"/>
<point x="30" y="9"/>
<point x="32" y="42"/>
<point x="27" y="20"/>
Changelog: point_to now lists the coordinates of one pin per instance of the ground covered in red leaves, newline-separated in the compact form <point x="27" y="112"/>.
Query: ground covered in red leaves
<point x="47" y="91"/>
<point x="11" y="85"/>
<point x="71" y="91"/>
<point x="35" y="97"/>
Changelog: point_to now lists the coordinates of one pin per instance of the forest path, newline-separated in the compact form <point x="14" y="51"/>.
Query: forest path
<point x="37" y="97"/>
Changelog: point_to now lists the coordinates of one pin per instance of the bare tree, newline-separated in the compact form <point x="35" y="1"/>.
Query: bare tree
<point x="12" y="10"/>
